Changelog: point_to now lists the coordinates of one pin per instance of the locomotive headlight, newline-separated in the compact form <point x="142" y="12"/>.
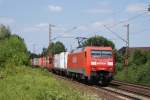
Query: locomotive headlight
<point x="110" y="63"/>
<point x="93" y="63"/>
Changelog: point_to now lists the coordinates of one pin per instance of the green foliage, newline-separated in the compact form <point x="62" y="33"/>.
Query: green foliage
<point x="147" y="54"/>
<point x="13" y="50"/>
<point x="138" y="70"/>
<point x="44" y="52"/>
<point x="139" y="57"/>
<point x="118" y="67"/>
<point x="33" y="55"/>
<point x="4" y="32"/>
<point x="118" y="56"/>
<point x="98" y="41"/>
<point x="26" y="83"/>
<point x="134" y="74"/>
<point x="59" y="47"/>
<point x="56" y="48"/>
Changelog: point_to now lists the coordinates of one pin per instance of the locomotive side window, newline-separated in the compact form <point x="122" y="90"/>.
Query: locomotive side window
<point x="101" y="53"/>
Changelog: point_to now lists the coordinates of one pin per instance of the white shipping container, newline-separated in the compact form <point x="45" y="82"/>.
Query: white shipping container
<point x="60" y="60"/>
<point x="35" y="61"/>
<point x="56" y="60"/>
<point x="63" y="60"/>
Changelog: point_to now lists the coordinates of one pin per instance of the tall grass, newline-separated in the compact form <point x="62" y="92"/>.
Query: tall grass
<point x="25" y="83"/>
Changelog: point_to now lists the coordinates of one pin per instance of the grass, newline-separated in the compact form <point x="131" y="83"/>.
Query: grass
<point x="26" y="83"/>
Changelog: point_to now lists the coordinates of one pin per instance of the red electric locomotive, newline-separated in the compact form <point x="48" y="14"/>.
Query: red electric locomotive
<point x="96" y="64"/>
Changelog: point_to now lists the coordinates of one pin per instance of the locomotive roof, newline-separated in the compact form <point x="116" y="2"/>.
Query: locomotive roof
<point x="91" y="47"/>
<point x="99" y="48"/>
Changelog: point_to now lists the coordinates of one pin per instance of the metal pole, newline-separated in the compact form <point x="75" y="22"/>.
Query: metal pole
<point x="127" y="40"/>
<point x="127" y="44"/>
<point x="50" y="32"/>
<point x="149" y="8"/>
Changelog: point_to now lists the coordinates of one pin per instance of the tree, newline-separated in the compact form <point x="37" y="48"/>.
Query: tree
<point x="98" y="41"/>
<point x="44" y="52"/>
<point x="139" y="57"/>
<point x="32" y="55"/>
<point x="56" y="48"/>
<point x="4" y="32"/>
<point x="14" y="51"/>
<point x="50" y="50"/>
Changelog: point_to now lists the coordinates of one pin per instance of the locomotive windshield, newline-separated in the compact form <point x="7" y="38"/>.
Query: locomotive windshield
<point x="101" y="53"/>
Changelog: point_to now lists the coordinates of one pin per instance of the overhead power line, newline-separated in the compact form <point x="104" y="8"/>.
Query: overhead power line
<point x="61" y="36"/>
<point x="129" y="19"/>
<point x="80" y="40"/>
<point x="70" y="30"/>
<point x="115" y="33"/>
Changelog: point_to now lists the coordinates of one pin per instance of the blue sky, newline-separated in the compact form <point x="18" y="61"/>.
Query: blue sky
<point x="30" y="18"/>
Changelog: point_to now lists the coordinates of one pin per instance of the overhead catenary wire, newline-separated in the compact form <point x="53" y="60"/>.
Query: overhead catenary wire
<point x="62" y="36"/>
<point x="115" y="33"/>
<point x="129" y="19"/>
<point x="124" y="21"/>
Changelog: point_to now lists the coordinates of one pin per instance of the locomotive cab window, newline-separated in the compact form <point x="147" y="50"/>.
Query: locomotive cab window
<point x="101" y="53"/>
<point x="96" y="53"/>
<point x="106" y="53"/>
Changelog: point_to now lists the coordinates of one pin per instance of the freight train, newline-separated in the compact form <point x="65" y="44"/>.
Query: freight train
<point x="94" y="64"/>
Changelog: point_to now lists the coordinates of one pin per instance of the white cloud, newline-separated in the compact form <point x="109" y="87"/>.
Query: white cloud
<point x="104" y="7"/>
<point x="44" y="27"/>
<point x="105" y="22"/>
<point x="53" y="8"/>
<point x="137" y="7"/>
<point x="59" y="30"/>
<point x="41" y="25"/>
<point x="82" y="28"/>
<point x="62" y="31"/>
<point x="6" y="20"/>
<point x="37" y="28"/>
<point x="99" y="10"/>
<point x="95" y="26"/>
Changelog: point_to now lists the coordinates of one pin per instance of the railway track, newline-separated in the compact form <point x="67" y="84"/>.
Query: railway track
<point x="137" y="89"/>
<point x="126" y="94"/>
<point x="115" y="90"/>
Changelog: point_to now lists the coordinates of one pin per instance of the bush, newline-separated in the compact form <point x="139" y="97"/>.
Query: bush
<point x="118" y="67"/>
<point x="148" y="56"/>
<point x="139" y="57"/>
<point x="138" y="70"/>
<point x="13" y="50"/>
<point x="135" y="74"/>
